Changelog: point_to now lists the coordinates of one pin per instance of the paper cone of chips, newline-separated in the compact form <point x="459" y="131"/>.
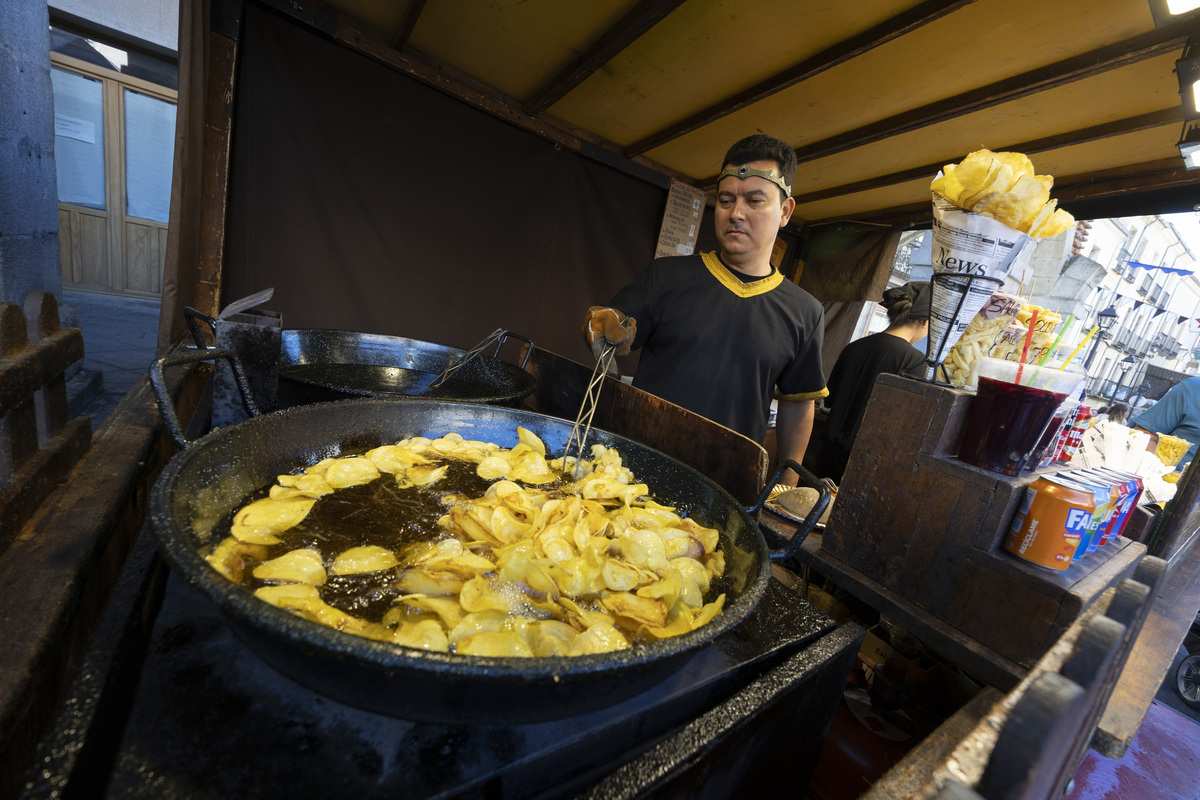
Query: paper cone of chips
<point x="986" y="210"/>
<point x="1003" y="186"/>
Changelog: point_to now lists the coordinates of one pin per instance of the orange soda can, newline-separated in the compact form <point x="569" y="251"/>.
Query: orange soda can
<point x="1050" y="522"/>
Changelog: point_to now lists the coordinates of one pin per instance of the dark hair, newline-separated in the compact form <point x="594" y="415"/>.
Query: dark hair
<point x="907" y="303"/>
<point x="761" y="147"/>
<point x="1117" y="412"/>
<point x="898" y="305"/>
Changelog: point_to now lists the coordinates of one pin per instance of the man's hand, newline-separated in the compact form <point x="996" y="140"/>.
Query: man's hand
<point x="604" y="326"/>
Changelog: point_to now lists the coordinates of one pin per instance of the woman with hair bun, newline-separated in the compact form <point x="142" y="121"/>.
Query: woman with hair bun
<point x="853" y="377"/>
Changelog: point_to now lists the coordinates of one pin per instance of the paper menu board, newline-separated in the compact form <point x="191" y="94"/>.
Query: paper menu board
<point x="681" y="220"/>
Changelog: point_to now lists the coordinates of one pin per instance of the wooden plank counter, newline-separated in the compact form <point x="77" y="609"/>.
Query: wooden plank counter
<point x="974" y="657"/>
<point x="1154" y="651"/>
<point x="922" y="532"/>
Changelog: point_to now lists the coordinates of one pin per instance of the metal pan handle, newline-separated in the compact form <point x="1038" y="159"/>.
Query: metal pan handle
<point x="158" y="383"/>
<point x="504" y="337"/>
<point x="810" y="522"/>
<point x="191" y="315"/>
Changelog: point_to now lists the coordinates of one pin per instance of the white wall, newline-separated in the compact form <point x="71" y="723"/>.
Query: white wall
<point x="154" y="21"/>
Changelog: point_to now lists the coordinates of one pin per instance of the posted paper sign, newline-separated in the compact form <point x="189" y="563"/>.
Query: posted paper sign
<point x="965" y="244"/>
<point x="681" y="220"/>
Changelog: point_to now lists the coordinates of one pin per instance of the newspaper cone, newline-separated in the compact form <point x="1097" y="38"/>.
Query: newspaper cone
<point x="980" y="250"/>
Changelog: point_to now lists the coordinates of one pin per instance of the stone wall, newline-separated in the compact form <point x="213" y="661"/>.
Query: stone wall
<point x="28" y="183"/>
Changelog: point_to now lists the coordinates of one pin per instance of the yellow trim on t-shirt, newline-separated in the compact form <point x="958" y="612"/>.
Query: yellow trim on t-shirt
<point x="735" y="284"/>
<point x="803" y="396"/>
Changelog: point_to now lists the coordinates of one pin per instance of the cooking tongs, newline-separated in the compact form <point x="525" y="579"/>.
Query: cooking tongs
<point x="587" y="409"/>
<point x="498" y="337"/>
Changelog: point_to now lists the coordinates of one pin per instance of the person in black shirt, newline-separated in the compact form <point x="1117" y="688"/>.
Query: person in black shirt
<point x="724" y="333"/>
<point x="861" y="362"/>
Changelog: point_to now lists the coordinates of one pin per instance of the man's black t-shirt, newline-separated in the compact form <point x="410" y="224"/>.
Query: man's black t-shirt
<point x="719" y="345"/>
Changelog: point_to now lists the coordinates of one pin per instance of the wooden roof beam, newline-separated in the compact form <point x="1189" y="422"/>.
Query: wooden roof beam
<point x="897" y="26"/>
<point x="1131" y="51"/>
<point x="639" y="19"/>
<point x="1094" y="133"/>
<point x="415" y="7"/>
<point x="1134" y="183"/>
<point x="350" y="33"/>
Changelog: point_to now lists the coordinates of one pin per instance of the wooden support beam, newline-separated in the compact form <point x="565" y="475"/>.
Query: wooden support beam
<point x="1090" y="194"/>
<point x="218" y="129"/>
<point x="899" y="25"/>
<point x="639" y="19"/>
<point x="1091" y="134"/>
<point x="1096" y="62"/>
<point x="413" y="14"/>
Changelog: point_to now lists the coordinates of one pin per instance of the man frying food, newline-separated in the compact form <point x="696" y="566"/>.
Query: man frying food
<point x="723" y="333"/>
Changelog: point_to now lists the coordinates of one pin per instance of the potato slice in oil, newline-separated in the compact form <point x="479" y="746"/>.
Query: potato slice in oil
<point x="598" y="639"/>
<point x="424" y="635"/>
<point x="360" y="560"/>
<point x="494" y="643"/>
<point x="258" y="522"/>
<point x="296" y="566"/>
<point x="346" y="472"/>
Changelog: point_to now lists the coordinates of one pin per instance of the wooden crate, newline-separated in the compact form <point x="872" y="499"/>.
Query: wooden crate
<point x="929" y="528"/>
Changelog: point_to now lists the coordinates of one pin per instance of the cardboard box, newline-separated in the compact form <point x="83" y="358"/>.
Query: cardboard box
<point x="830" y="605"/>
<point x="876" y="650"/>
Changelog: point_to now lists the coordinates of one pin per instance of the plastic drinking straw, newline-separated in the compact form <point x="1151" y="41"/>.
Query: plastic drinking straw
<point x="1025" y="351"/>
<point x="1079" y="346"/>
<point x="1057" y="339"/>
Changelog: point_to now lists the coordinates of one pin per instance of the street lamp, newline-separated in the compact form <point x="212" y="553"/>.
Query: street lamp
<point x="1105" y="320"/>
<point x="1145" y="387"/>
<point x="1126" y="364"/>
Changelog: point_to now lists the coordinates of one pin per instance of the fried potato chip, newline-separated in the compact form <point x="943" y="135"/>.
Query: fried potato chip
<point x="1019" y="163"/>
<point x="295" y="566"/>
<point x="999" y="179"/>
<point x="1016" y="207"/>
<point x="969" y="175"/>
<point x="1003" y="186"/>
<point x="258" y="522"/>
<point x="360" y="560"/>
<point x="1055" y="224"/>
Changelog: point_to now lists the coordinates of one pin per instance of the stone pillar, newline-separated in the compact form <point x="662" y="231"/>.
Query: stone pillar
<point x="29" y="259"/>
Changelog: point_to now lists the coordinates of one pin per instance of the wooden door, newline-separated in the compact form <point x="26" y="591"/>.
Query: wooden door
<point x="114" y="141"/>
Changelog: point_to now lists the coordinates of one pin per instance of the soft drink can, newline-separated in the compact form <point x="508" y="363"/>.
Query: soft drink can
<point x="1050" y="522"/>
<point x="1101" y="497"/>
<point x="1113" y="504"/>
<point x="1083" y="421"/>
<point x="1132" y="485"/>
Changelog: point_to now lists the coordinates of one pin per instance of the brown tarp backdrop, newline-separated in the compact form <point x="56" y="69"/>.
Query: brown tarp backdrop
<point x="371" y="202"/>
<point x="846" y="267"/>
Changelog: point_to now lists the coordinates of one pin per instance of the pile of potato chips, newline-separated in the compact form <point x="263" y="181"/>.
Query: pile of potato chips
<point x="539" y="565"/>
<point x="1003" y="186"/>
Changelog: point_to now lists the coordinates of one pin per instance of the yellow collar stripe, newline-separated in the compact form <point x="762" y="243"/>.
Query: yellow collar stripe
<point x="735" y="284"/>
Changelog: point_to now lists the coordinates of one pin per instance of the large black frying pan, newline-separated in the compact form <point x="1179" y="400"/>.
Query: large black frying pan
<point x="217" y="473"/>
<point x="332" y="364"/>
<point x="318" y="364"/>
